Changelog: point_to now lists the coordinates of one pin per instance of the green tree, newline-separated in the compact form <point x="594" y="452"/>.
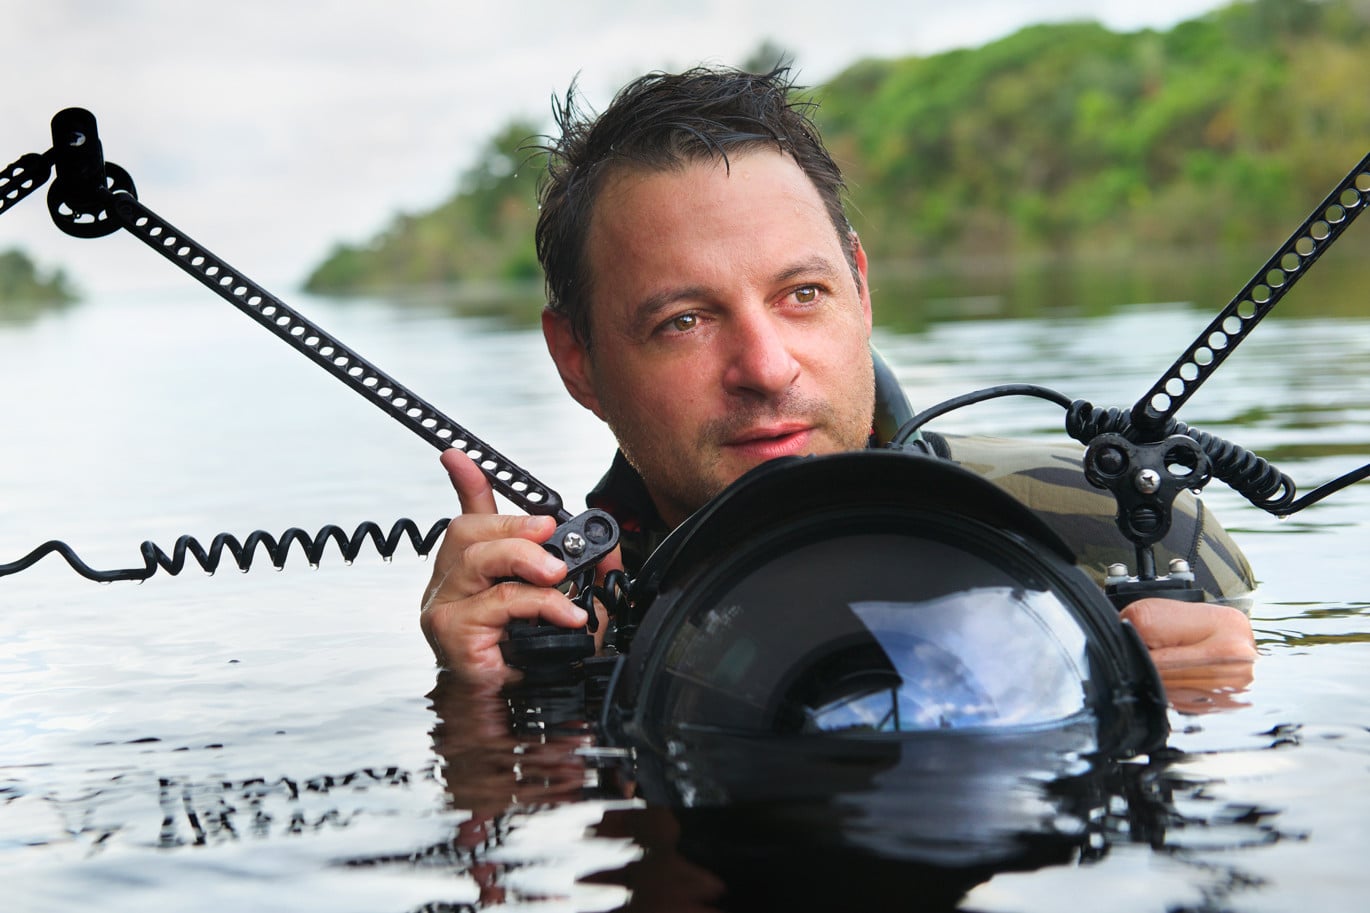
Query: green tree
<point x="1074" y="137"/>
<point x="483" y="231"/>
<point x="23" y="286"/>
<point x="1220" y="132"/>
<point x="767" y="56"/>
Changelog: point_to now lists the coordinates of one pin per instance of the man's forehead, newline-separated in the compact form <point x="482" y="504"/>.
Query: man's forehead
<point x="623" y="186"/>
<point x="623" y="176"/>
<point x="637" y="206"/>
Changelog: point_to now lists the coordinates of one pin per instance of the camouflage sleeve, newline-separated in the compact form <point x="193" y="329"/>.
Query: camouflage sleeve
<point x="1049" y="479"/>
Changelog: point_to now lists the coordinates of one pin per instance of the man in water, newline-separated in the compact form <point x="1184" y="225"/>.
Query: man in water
<point x="709" y="301"/>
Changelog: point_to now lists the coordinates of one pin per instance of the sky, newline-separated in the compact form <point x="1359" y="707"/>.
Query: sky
<point x="270" y="130"/>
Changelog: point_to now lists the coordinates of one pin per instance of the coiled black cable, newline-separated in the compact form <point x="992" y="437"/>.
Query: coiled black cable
<point x="243" y="552"/>
<point x="1251" y="476"/>
<point x="613" y="593"/>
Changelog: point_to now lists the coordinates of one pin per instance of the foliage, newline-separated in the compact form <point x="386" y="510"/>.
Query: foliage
<point x="767" y="57"/>
<point x="1220" y="132"/>
<point x="1224" y="130"/>
<point x="23" y="285"/>
<point x="483" y="231"/>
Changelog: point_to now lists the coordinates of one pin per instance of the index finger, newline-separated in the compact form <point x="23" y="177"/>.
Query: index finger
<point x="473" y="488"/>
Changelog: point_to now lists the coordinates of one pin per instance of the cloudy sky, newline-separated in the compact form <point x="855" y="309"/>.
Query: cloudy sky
<point x="270" y="129"/>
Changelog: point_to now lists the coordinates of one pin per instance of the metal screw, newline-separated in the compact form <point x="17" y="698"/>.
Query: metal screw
<point x="1148" y="481"/>
<point x="1116" y="570"/>
<point x="573" y="544"/>
<point x="1179" y="566"/>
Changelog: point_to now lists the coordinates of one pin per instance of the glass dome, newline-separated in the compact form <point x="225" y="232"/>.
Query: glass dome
<point x="875" y="595"/>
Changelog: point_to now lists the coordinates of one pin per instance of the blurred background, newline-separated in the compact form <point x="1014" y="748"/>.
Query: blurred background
<point x="272" y="131"/>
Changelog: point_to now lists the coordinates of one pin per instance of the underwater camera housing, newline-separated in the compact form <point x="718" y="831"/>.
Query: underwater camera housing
<point x="875" y="594"/>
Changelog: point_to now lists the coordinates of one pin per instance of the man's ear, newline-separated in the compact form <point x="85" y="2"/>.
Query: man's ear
<point x="571" y="358"/>
<point x="863" y="270"/>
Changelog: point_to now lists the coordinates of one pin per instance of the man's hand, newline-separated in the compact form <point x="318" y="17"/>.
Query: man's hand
<point x="470" y="598"/>
<point x="1204" y="652"/>
<point x="1192" y="633"/>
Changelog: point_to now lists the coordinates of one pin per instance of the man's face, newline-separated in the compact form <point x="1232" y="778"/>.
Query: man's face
<point x="727" y="327"/>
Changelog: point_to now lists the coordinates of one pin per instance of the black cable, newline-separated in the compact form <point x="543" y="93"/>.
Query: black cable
<point x="1324" y="490"/>
<point x="907" y="429"/>
<point x="1251" y="476"/>
<point x="243" y="552"/>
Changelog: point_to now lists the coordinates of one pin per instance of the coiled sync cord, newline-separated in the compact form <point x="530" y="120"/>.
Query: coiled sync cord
<point x="1251" y="476"/>
<point x="92" y="198"/>
<point x="243" y="552"/>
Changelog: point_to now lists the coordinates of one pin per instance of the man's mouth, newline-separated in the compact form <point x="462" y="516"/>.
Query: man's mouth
<point x="771" y="441"/>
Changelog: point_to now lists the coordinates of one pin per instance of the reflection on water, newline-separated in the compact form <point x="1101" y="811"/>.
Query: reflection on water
<point x="277" y="740"/>
<point x="912" y="296"/>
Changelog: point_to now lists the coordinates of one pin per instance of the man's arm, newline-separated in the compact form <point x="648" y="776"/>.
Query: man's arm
<point x="471" y="596"/>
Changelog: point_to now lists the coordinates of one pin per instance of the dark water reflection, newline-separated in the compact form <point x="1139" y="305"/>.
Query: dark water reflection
<point x="873" y="827"/>
<point x="912" y="296"/>
<point x="277" y="741"/>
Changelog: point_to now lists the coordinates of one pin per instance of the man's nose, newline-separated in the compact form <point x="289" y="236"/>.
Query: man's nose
<point x="760" y="359"/>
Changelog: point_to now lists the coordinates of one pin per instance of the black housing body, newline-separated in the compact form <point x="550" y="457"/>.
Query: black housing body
<point x="814" y="592"/>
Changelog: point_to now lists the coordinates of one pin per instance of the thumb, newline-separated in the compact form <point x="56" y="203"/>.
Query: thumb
<point x="473" y="488"/>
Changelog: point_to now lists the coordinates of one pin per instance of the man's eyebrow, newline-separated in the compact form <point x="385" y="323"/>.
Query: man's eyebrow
<point x="652" y="305"/>
<point x="815" y="267"/>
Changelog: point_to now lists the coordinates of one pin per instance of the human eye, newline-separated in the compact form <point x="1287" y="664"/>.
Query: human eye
<point x="805" y="295"/>
<point x="680" y="323"/>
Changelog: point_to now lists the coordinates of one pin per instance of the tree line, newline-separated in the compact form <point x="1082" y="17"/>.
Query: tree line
<point x="1222" y="131"/>
<point x="24" y="287"/>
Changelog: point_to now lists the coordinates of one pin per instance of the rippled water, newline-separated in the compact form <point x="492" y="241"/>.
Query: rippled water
<point x="280" y="741"/>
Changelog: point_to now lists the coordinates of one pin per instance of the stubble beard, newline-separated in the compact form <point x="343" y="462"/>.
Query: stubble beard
<point x="682" y="483"/>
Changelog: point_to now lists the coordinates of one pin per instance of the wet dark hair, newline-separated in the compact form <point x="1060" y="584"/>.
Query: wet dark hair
<point x="660" y="122"/>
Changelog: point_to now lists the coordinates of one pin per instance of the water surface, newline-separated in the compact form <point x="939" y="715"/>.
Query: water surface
<point x="274" y="740"/>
